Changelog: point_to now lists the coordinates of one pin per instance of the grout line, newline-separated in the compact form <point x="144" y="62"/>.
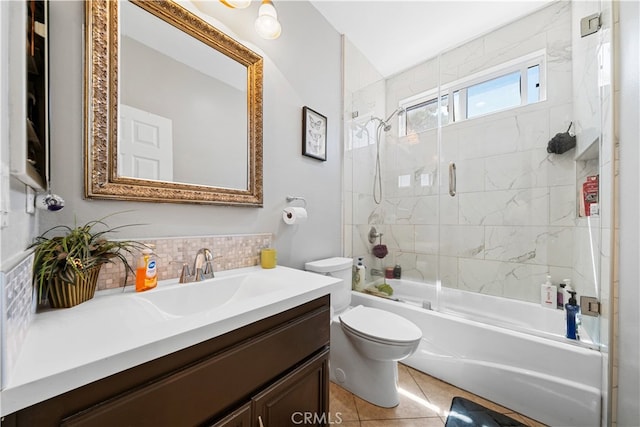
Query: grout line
<point x="355" y="405"/>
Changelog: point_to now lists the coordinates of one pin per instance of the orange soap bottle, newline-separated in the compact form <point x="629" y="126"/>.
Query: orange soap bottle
<point x="146" y="270"/>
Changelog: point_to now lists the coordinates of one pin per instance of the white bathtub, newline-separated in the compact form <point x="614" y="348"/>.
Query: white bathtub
<point x="515" y="355"/>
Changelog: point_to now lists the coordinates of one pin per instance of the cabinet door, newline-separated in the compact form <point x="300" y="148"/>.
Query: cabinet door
<point x="301" y="397"/>
<point x="239" y="418"/>
<point x="28" y="73"/>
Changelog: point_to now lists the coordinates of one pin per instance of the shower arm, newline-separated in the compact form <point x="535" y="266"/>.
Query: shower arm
<point x="385" y="123"/>
<point x="398" y="111"/>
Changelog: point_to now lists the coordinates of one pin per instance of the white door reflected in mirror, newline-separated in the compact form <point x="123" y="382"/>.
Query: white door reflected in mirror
<point x="168" y="73"/>
<point x="145" y="145"/>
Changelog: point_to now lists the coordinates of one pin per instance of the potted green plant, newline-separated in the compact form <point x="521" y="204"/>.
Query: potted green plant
<point x="67" y="261"/>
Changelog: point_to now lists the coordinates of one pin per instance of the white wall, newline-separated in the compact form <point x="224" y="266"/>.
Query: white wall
<point x="302" y="67"/>
<point x="628" y="350"/>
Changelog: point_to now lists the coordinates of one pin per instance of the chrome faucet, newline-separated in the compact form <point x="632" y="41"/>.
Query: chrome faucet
<point x="202" y="267"/>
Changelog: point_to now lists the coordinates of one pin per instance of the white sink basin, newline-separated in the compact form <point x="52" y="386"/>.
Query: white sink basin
<point x="117" y="329"/>
<point x="195" y="297"/>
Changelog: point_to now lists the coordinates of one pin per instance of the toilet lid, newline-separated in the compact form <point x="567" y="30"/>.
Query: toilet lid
<point x="380" y="325"/>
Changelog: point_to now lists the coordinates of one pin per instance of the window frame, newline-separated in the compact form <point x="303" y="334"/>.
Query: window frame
<point x="457" y="111"/>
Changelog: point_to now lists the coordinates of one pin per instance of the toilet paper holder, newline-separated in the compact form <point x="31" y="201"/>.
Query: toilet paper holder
<point x="294" y="198"/>
<point x="295" y="214"/>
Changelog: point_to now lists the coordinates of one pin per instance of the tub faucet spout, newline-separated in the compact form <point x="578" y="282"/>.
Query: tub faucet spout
<point x="375" y="272"/>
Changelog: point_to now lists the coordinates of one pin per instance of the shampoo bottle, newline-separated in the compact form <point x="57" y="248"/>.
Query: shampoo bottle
<point x="359" y="276"/>
<point x="146" y="270"/>
<point x="548" y="294"/>
<point x="572" y="313"/>
<point x="560" y="296"/>
<point x="397" y="272"/>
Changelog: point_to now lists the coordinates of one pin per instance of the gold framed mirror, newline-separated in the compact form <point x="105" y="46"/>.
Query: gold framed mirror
<point x="181" y="130"/>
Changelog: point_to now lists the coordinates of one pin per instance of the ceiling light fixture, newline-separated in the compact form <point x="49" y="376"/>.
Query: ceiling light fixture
<point x="267" y="24"/>
<point x="236" y="4"/>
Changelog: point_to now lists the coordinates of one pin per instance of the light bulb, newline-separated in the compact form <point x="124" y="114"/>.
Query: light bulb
<point x="267" y="8"/>
<point x="267" y="25"/>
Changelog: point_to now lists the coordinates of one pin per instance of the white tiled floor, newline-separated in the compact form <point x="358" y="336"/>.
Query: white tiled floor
<point x="424" y="401"/>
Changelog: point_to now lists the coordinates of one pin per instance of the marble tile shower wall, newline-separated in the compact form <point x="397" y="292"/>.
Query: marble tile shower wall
<point x="514" y="215"/>
<point x="232" y="251"/>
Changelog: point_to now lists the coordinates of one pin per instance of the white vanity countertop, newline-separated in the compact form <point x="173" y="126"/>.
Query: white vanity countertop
<point x="68" y="348"/>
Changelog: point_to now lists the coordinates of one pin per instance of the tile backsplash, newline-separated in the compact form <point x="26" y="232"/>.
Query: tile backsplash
<point x="17" y="312"/>
<point x="229" y="251"/>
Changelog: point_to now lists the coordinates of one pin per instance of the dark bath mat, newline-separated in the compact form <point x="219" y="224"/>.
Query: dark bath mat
<point x="465" y="413"/>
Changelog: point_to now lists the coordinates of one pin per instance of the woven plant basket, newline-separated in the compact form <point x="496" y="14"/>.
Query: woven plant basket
<point x="65" y="295"/>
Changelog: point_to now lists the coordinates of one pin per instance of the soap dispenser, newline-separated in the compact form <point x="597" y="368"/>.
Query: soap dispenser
<point x="146" y="270"/>
<point x="572" y="313"/>
<point x="565" y="287"/>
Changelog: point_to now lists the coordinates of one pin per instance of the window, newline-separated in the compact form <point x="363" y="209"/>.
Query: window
<point x="424" y="115"/>
<point x="494" y="95"/>
<point x="510" y="85"/>
<point x="533" y="84"/>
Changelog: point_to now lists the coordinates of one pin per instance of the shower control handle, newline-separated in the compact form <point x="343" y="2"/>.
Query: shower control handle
<point x="452" y="179"/>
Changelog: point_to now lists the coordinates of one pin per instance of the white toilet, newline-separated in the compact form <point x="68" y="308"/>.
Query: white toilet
<point x="366" y="343"/>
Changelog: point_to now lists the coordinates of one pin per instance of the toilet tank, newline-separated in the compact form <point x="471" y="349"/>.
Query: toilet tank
<point x="340" y="268"/>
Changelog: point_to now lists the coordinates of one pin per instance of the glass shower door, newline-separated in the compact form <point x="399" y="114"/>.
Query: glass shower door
<point x="509" y="210"/>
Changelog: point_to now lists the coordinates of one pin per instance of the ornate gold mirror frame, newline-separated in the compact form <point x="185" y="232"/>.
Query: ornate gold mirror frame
<point x="102" y="180"/>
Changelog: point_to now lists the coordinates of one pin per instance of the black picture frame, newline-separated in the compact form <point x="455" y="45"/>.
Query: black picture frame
<point x="314" y="134"/>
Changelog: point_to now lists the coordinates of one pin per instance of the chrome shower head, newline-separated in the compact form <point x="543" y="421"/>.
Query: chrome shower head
<point x="385" y="123"/>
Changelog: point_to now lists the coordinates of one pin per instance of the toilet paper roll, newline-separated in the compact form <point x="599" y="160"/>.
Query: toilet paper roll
<point x="294" y="215"/>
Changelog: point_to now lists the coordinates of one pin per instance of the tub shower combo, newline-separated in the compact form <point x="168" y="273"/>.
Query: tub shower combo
<point x="477" y="211"/>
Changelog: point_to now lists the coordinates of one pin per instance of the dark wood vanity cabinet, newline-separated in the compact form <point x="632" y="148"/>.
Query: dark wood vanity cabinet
<point x="288" y="400"/>
<point x="268" y="373"/>
<point x="295" y="397"/>
<point x="241" y="417"/>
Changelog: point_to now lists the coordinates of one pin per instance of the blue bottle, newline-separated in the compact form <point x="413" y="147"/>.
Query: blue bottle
<point x="572" y="310"/>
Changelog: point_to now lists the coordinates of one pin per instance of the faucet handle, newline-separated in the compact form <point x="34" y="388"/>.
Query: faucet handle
<point x="186" y="275"/>
<point x="207" y="272"/>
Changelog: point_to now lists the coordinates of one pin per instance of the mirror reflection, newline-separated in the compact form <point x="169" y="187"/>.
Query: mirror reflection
<point x="182" y="107"/>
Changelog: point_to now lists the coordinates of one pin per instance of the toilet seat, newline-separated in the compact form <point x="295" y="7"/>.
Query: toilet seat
<point x="380" y="326"/>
